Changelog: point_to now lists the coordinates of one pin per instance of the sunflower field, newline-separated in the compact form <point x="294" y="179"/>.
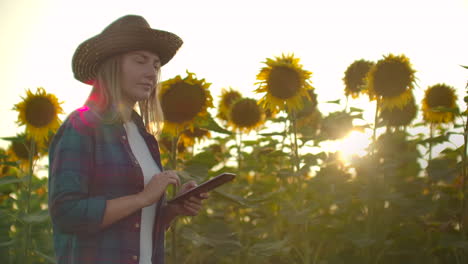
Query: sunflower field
<point x="293" y="200"/>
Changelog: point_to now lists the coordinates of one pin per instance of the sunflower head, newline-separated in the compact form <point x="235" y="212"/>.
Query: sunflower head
<point x="246" y="115"/>
<point x="391" y="77"/>
<point x="396" y="116"/>
<point x="310" y="124"/>
<point x="284" y="83"/>
<point x="310" y="105"/>
<point x="20" y="148"/>
<point x="165" y="141"/>
<point x="39" y="112"/>
<point x="228" y="97"/>
<point x="439" y="96"/>
<point x="355" y="77"/>
<point x="336" y="125"/>
<point x="182" y="100"/>
<point x="190" y="136"/>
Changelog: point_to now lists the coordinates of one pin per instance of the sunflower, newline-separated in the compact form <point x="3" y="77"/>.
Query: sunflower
<point x="19" y="148"/>
<point x="309" y="116"/>
<point x="337" y="125"/>
<point x="390" y="79"/>
<point x="190" y="136"/>
<point x="355" y="77"/>
<point x="227" y="98"/>
<point x="182" y="100"/>
<point x="246" y="115"/>
<point x="310" y="125"/>
<point x="400" y="116"/>
<point x="284" y="82"/>
<point x="165" y="141"/>
<point x="439" y="95"/>
<point x="39" y="112"/>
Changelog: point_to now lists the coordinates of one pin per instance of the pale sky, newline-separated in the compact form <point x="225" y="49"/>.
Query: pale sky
<point x="226" y="42"/>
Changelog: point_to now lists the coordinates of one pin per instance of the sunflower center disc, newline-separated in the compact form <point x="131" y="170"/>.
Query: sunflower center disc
<point x="440" y="97"/>
<point x="39" y="112"/>
<point x="283" y="82"/>
<point x="392" y="79"/>
<point x="182" y="102"/>
<point x="245" y="113"/>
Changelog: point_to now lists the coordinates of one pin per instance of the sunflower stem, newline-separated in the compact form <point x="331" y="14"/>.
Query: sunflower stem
<point x="463" y="217"/>
<point x="431" y="136"/>
<point x="32" y="149"/>
<point x="374" y="132"/>
<point x="239" y="146"/>
<point x="296" y="151"/>
<point x="175" y="140"/>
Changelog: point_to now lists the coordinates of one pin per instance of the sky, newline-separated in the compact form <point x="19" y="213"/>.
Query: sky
<point x="226" y="42"/>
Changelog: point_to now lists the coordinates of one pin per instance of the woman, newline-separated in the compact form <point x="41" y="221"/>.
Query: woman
<point x="106" y="183"/>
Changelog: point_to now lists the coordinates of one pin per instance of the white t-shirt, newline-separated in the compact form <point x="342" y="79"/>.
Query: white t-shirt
<point x="149" y="168"/>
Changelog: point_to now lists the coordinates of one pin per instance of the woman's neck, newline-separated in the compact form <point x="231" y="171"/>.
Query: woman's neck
<point x="126" y="109"/>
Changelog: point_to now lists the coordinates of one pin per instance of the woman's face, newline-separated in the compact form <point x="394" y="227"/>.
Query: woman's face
<point x="139" y="71"/>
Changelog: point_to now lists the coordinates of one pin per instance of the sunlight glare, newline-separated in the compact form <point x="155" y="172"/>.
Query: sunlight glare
<point x="354" y="144"/>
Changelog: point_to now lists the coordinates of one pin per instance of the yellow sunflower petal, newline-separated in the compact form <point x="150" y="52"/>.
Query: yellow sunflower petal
<point x="284" y="83"/>
<point x="39" y="112"/>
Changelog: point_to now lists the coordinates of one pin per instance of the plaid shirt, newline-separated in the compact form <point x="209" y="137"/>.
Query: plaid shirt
<point x="90" y="162"/>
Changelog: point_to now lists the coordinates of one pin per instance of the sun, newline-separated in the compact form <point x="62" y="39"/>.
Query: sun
<point x="355" y="143"/>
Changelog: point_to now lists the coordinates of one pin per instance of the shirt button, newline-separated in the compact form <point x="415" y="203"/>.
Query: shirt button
<point x="135" y="257"/>
<point x="124" y="137"/>
<point x="137" y="225"/>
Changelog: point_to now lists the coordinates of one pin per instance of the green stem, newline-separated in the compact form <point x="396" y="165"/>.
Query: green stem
<point x="175" y="140"/>
<point x="463" y="181"/>
<point x="32" y="150"/>
<point x="431" y="135"/>
<point x="296" y="148"/>
<point x="239" y="146"/>
<point x="374" y="132"/>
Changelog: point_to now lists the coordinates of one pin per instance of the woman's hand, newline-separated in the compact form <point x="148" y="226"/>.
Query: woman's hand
<point x="191" y="206"/>
<point x="157" y="186"/>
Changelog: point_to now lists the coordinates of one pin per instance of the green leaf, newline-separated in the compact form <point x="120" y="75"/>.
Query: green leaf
<point x="15" y="139"/>
<point x="10" y="180"/>
<point x="50" y="259"/>
<point x="210" y="124"/>
<point x="453" y="110"/>
<point x="273" y="134"/>
<point x="466" y="67"/>
<point x="435" y="140"/>
<point x="10" y="163"/>
<point x="7" y="243"/>
<point x="37" y="217"/>
<point x="199" y="239"/>
<point x="268" y="249"/>
<point x="354" y="109"/>
<point x="333" y="102"/>
<point x="232" y="198"/>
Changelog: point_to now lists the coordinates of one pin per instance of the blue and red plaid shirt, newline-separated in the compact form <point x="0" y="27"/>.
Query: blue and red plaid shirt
<point x="90" y="162"/>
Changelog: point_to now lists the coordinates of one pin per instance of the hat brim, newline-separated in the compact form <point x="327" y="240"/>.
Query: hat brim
<point x="90" y="54"/>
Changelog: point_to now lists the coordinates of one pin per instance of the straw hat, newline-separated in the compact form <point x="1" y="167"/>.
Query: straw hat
<point x="126" y="34"/>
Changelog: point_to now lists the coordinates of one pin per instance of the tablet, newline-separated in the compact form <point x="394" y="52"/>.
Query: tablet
<point x="204" y="187"/>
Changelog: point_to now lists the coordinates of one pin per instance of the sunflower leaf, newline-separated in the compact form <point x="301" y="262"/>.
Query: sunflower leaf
<point x="354" y="109"/>
<point x="435" y="140"/>
<point x="210" y="124"/>
<point x="233" y="198"/>
<point x="15" y="139"/>
<point x="333" y="102"/>
<point x="10" y="180"/>
<point x="453" y="110"/>
<point x="37" y="217"/>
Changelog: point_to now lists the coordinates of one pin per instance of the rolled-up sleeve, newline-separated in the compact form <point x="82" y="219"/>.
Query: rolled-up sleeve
<point x="71" y="164"/>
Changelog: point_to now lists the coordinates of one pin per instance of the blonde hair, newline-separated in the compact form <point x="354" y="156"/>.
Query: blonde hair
<point x="106" y="94"/>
